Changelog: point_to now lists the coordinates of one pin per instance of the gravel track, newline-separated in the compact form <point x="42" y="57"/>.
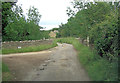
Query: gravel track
<point x="57" y="64"/>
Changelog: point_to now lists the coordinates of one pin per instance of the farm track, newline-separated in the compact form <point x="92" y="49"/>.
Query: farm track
<point x="57" y="64"/>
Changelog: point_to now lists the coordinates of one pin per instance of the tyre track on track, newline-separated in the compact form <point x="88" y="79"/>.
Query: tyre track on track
<point x="59" y="64"/>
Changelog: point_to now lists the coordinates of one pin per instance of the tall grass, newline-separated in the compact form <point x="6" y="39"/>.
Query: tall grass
<point x="30" y="48"/>
<point x="99" y="69"/>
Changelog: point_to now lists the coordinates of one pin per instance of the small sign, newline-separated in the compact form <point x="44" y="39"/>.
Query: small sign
<point x="19" y="47"/>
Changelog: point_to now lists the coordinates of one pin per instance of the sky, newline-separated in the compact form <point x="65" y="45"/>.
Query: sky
<point x="53" y="11"/>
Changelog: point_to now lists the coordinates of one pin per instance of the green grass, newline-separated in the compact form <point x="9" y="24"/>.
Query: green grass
<point x="6" y="75"/>
<point x="30" y="48"/>
<point x="99" y="69"/>
<point x="5" y="68"/>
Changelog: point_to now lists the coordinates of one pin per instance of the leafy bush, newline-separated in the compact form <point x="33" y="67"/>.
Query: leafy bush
<point x="99" y="22"/>
<point x="17" y="27"/>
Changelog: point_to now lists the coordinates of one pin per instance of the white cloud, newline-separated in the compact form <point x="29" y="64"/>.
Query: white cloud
<point x="52" y="11"/>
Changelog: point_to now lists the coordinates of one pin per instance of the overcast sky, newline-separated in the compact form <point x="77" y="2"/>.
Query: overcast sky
<point x="53" y="11"/>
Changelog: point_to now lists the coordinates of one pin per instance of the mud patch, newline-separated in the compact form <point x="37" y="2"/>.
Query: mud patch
<point x="22" y="65"/>
<point x="63" y="65"/>
<point x="64" y="59"/>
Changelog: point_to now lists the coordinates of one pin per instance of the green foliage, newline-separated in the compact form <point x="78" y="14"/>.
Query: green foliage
<point x="99" y="22"/>
<point x="33" y="15"/>
<point x="17" y="27"/>
<point x="45" y="34"/>
<point x="99" y="69"/>
<point x="6" y="12"/>
<point x="106" y="42"/>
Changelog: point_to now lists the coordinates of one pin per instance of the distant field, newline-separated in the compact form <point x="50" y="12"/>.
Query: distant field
<point x="22" y="44"/>
<point x="27" y="46"/>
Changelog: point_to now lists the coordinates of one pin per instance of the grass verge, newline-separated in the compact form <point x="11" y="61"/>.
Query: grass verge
<point x="29" y="49"/>
<point x="99" y="69"/>
<point x="6" y="75"/>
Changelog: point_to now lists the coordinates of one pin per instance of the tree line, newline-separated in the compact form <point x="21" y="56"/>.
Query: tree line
<point x="16" y="26"/>
<point x="98" y="21"/>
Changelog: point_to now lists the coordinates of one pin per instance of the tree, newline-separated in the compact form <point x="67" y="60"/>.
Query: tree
<point x="6" y="11"/>
<point x="98" y="21"/>
<point x="33" y="15"/>
<point x="18" y="28"/>
<point x="0" y="19"/>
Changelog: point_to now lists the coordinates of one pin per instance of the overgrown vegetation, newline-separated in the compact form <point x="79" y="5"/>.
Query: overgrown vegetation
<point x="98" y="68"/>
<point x="99" y="22"/>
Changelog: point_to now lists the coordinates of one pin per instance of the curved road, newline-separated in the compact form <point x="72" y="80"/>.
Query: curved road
<point x="57" y="64"/>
